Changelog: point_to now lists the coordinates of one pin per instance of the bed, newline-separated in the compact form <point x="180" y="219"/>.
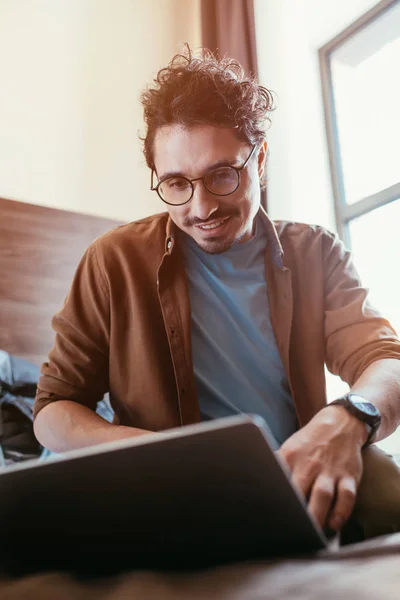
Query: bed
<point x="39" y="250"/>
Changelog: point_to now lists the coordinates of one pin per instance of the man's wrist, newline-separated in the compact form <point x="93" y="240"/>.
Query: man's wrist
<point x="363" y="410"/>
<point x="357" y="429"/>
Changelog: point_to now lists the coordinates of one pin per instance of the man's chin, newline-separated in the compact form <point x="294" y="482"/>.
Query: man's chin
<point x="216" y="245"/>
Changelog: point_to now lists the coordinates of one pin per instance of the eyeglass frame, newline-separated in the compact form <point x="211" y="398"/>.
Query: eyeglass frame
<point x="202" y="178"/>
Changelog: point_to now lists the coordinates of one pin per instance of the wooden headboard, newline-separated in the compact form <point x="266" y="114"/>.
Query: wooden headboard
<point x="39" y="251"/>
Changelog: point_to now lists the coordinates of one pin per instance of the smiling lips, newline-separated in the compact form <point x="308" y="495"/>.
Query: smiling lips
<point x="213" y="225"/>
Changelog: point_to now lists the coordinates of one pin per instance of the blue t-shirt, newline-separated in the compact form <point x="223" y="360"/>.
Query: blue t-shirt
<point x="237" y="365"/>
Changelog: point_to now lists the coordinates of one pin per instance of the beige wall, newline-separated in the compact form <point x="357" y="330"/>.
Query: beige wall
<point x="71" y="72"/>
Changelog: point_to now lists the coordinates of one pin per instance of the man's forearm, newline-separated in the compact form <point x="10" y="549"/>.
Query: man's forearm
<point x="66" y="425"/>
<point x="380" y="384"/>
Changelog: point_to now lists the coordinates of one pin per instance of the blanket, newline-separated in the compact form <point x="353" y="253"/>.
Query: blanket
<point x="366" y="571"/>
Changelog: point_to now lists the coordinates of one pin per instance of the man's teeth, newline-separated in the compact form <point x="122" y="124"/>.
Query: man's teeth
<point x="212" y="226"/>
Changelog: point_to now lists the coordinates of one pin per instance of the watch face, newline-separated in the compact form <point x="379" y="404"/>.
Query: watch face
<point x="366" y="407"/>
<point x="362" y="405"/>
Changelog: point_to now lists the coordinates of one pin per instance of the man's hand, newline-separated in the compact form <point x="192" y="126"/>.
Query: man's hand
<point x="325" y="460"/>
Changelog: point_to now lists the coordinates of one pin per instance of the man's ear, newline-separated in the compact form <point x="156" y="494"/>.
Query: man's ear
<point x="262" y="156"/>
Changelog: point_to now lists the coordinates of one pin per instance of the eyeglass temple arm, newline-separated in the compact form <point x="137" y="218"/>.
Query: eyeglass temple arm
<point x="152" y="188"/>
<point x="249" y="157"/>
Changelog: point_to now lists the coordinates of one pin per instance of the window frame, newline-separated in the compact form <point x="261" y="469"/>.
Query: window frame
<point x="344" y="213"/>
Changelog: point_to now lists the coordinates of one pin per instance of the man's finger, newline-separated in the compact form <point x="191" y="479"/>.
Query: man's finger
<point x="346" y="497"/>
<point x="303" y="480"/>
<point x="321" y="498"/>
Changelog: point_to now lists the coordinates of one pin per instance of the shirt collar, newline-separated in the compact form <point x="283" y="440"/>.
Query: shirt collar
<point x="273" y="238"/>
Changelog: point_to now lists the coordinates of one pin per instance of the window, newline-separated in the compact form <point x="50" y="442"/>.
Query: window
<point x="360" y="71"/>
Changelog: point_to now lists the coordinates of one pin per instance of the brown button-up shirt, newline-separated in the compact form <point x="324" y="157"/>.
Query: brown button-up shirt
<point x="126" y="323"/>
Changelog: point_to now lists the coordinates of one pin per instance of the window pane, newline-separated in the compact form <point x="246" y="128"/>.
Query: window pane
<point x="376" y="249"/>
<point x="375" y="242"/>
<point x="366" y="85"/>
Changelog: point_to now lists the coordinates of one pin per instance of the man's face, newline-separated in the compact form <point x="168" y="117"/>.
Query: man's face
<point x="216" y="223"/>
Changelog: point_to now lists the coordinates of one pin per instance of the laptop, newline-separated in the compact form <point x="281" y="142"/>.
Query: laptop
<point x="187" y="498"/>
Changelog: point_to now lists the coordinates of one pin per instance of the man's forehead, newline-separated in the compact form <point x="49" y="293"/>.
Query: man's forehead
<point x="190" y="150"/>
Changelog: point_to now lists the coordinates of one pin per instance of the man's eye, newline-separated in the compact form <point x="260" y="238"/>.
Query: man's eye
<point x="177" y="184"/>
<point x="220" y="176"/>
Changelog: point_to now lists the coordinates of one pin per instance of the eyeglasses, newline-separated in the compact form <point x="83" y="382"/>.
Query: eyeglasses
<point x="220" y="181"/>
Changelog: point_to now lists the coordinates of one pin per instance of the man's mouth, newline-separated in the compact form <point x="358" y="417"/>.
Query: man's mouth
<point x="213" y="225"/>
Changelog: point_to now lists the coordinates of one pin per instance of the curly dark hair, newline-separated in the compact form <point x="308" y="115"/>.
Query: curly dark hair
<point x="193" y="90"/>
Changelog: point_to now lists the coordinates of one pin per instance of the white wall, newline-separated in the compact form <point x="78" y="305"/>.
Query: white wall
<point x="289" y="33"/>
<point x="71" y="72"/>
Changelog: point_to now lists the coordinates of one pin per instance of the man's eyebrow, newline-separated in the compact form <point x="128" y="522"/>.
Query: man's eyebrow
<point x="219" y="163"/>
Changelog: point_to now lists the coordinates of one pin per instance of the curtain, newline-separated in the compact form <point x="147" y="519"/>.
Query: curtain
<point x="228" y="29"/>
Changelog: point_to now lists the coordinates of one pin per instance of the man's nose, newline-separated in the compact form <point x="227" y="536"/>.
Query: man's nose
<point x="204" y="203"/>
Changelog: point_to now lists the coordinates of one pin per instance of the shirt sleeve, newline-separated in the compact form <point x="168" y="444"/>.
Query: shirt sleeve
<point x="77" y="367"/>
<point x="356" y="334"/>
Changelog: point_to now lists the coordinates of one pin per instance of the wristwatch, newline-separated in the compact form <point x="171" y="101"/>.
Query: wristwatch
<point x="364" y="411"/>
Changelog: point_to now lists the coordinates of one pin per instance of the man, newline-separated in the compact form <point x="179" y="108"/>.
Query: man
<point x="211" y="309"/>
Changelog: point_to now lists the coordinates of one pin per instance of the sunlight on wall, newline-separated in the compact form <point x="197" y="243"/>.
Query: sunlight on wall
<point x="71" y="74"/>
<point x="289" y="33"/>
